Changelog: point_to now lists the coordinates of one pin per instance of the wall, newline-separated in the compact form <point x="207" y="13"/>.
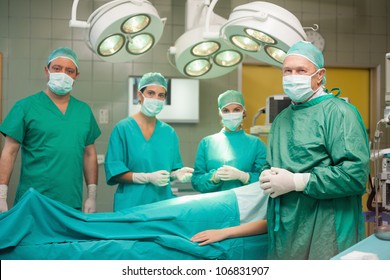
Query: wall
<point x="256" y="90"/>
<point x="357" y="34"/>
<point x="30" y="29"/>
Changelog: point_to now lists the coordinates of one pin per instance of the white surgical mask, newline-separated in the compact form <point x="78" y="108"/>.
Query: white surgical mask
<point x="232" y="120"/>
<point x="298" y="87"/>
<point x="151" y="106"/>
<point x="60" y="83"/>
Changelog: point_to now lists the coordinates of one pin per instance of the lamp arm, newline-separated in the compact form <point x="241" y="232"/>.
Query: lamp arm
<point x="73" y="21"/>
<point x="208" y="16"/>
<point x="257" y="115"/>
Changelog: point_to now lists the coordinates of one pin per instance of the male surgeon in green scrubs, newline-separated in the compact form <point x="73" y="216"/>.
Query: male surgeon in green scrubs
<point x="317" y="165"/>
<point x="56" y="133"/>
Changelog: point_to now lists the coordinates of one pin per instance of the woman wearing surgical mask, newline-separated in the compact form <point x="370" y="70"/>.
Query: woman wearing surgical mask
<point x="230" y="158"/>
<point x="143" y="155"/>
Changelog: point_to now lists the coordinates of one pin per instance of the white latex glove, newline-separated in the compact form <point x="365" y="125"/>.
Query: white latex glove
<point x="159" y="178"/>
<point x="90" y="202"/>
<point x="3" y="198"/>
<point x="183" y="175"/>
<point x="215" y="179"/>
<point x="228" y="173"/>
<point x="278" y="181"/>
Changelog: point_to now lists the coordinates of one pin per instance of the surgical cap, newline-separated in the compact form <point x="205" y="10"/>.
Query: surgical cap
<point x="65" y="53"/>
<point x="230" y="97"/>
<point x="152" y="78"/>
<point x="310" y="52"/>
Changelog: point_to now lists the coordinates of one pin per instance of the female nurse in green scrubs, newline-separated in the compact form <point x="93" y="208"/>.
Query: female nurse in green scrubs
<point x="143" y="155"/>
<point x="230" y="158"/>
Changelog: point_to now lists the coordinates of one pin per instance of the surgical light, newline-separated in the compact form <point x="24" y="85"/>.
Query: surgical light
<point x="201" y="52"/>
<point x="213" y="46"/>
<point x="205" y="48"/>
<point x="121" y="30"/>
<point x="263" y="31"/>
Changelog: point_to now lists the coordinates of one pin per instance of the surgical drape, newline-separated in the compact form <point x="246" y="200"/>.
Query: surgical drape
<point x="41" y="228"/>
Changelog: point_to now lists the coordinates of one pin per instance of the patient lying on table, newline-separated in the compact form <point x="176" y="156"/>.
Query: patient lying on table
<point x="47" y="229"/>
<point x="252" y="205"/>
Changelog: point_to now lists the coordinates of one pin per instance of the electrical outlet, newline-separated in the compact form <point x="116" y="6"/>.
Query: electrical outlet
<point x="100" y="159"/>
<point x="103" y="116"/>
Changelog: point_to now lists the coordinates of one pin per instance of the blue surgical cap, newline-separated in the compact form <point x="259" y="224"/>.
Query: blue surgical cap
<point x="152" y="78"/>
<point x="230" y="97"/>
<point x="310" y="52"/>
<point x="65" y="53"/>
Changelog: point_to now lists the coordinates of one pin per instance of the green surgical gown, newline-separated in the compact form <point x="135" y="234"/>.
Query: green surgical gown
<point x="128" y="150"/>
<point x="326" y="138"/>
<point x="238" y="149"/>
<point x="52" y="145"/>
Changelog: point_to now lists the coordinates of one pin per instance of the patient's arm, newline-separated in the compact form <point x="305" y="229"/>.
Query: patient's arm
<point x="214" y="235"/>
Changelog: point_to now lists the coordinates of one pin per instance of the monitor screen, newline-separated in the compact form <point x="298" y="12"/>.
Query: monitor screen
<point x="275" y="104"/>
<point x="181" y="104"/>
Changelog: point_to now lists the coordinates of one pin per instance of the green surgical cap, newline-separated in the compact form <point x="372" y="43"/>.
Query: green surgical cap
<point x="152" y="78"/>
<point x="230" y="97"/>
<point x="65" y="53"/>
<point x="310" y="52"/>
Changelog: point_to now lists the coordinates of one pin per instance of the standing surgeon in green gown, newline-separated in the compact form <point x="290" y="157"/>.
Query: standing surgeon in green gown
<point x="230" y="158"/>
<point x="143" y="154"/>
<point x="56" y="133"/>
<point x="317" y="165"/>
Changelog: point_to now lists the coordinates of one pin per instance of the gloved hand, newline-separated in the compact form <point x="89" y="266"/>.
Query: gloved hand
<point x="278" y="181"/>
<point x="215" y="179"/>
<point x="265" y="173"/>
<point x="183" y="175"/>
<point x="228" y="173"/>
<point x="90" y="202"/>
<point x="3" y="198"/>
<point x="159" y="178"/>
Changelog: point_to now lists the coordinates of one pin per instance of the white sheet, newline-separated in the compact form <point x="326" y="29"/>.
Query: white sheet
<point x="252" y="203"/>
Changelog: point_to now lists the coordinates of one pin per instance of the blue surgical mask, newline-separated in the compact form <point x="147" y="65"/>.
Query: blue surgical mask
<point x="60" y="83"/>
<point x="298" y="87"/>
<point x="232" y="120"/>
<point x="151" y="106"/>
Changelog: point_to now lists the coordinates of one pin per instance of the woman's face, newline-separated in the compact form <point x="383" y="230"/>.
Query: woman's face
<point x="232" y="108"/>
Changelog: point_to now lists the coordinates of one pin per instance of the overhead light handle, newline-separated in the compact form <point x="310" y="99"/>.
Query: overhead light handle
<point x="314" y="28"/>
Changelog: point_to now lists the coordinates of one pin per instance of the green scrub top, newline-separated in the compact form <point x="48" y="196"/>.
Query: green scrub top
<point x="238" y="149"/>
<point x="326" y="138"/>
<point x="129" y="151"/>
<point x="52" y="145"/>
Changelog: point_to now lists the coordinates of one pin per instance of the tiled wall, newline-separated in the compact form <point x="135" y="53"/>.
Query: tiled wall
<point x="357" y="34"/>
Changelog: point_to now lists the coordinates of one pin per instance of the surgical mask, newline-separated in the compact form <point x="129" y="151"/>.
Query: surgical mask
<point x="232" y="120"/>
<point x="298" y="87"/>
<point x="60" y="83"/>
<point x="151" y="106"/>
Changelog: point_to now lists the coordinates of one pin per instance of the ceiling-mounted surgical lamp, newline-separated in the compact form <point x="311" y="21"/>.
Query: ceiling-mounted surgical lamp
<point x="121" y="30"/>
<point x="201" y="52"/>
<point x="263" y="31"/>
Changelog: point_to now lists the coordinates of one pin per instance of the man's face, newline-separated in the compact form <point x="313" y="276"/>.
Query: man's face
<point x="63" y="65"/>
<point x="298" y="65"/>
